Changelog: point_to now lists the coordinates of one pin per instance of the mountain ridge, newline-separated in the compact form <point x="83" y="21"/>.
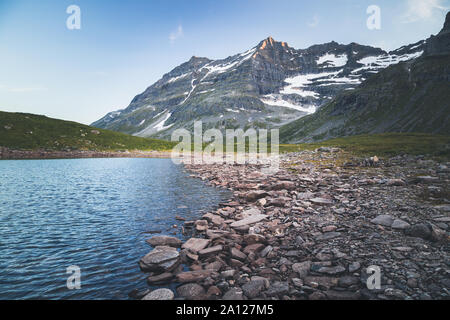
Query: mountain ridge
<point x="267" y="86"/>
<point x="411" y="96"/>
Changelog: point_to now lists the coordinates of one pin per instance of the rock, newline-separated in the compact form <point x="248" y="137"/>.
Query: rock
<point x="395" y="182"/>
<point x="233" y="294"/>
<point x="255" y="195"/>
<point x="266" y="251"/>
<point x="193" y="276"/>
<point x="236" y="254"/>
<point x="214" y="266"/>
<point x="444" y="207"/>
<point x="228" y="274"/>
<point x="383" y="220"/>
<point x="253" y="288"/>
<point x="201" y="225"/>
<point x="329" y="229"/>
<point x="278" y="288"/>
<point x="325" y="282"/>
<point x="425" y="179"/>
<point x="160" y="278"/>
<point x="354" y="266"/>
<point x="331" y="270"/>
<point x="160" y="259"/>
<point x="196" y="244"/>
<point x="164" y="241"/>
<point x="420" y="230"/>
<point x="254" y="238"/>
<point x="213" y="292"/>
<point x="400" y="224"/>
<point x="249" y="220"/>
<point x="283" y="185"/>
<point x="160" y="294"/>
<point x="255" y="248"/>
<point x="210" y="251"/>
<point x="191" y="291"/>
<point x="262" y="202"/>
<point x="348" y="281"/>
<point x="438" y="235"/>
<point x="321" y="201"/>
<point x="328" y="236"/>
<point x="302" y="268"/>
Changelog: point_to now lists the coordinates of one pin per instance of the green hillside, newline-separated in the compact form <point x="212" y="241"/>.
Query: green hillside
<point x="30" y="132"/>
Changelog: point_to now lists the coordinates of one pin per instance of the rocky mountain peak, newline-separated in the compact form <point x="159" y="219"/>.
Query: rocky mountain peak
<point x="446" y="23"/>
<point x="439" y="45"/>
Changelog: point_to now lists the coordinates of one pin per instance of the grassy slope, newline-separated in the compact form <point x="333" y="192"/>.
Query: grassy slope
<point x="29" y="131"/>
<point x="386" y="144"/>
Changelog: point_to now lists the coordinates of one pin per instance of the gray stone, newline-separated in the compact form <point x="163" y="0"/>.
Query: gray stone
<point x="249" y="220"/>
<point x="196" y="244"/>
<point x="302" y="268"/>
<point x="278" y="288"/>
<point x="233" y="294"/>
<point x="400" y="224"/>
<point x="164" y="241"/>
<point x="191" y="291"/>
<point x="383" y="220"/>
<point x="160" y="259"/>
<point x="160" y="294"/>
<point x="253" y="288"/>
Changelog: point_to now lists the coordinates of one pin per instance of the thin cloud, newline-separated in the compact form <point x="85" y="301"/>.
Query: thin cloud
<point x="422" y="10"/>
<point x="176" y="34"/>
<point x="314" y="22"/>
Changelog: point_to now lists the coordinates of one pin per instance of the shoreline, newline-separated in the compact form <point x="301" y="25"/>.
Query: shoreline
<point x="8" y="154"/>
<point x="309" y="232"/>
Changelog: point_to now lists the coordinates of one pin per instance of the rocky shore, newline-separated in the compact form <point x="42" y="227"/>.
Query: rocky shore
<point x="9" y="154"/>
<point x="311" y="230"/>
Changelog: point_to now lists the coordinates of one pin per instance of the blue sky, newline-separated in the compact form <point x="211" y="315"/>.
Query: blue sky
<point x="125" y="46"/>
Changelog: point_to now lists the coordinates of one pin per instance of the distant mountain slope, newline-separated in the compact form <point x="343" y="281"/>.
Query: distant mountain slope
<point x="29" y="131"/>
<point x="412" y="96"/>
<point x="266" y="86"/>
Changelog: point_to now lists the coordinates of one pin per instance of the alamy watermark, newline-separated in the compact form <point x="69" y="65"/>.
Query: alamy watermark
<point x="74" y="280"/>
<point x="73" y="22"/>
<point x="241" y="147"/>
<point x="374" y="280"/>
<point x="374" y="20"/>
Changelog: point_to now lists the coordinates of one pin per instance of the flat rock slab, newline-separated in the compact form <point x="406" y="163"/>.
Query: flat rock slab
<point x="321" y="201"/>
<point x="193" y="276"/>
<point x="160" y="294"/>
<point x="160" y="259"/>
<point x="164" y="241"/>
<point x="210" y="251"/>
<point x="196" y="244"/>
<point x="249" y="220"/>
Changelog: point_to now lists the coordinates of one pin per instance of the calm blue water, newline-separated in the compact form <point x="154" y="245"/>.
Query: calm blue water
<point x="93" y="213"/>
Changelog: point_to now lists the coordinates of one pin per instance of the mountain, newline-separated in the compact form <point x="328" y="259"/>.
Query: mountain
<point x="411" y="96"/>
<point x="31" y="132"/>
<point x="267" y="86"/>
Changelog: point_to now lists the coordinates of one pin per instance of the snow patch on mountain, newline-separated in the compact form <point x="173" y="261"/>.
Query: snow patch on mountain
<point x="333" y="60"/>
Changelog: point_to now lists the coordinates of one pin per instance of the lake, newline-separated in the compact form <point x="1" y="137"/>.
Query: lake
<point x="92" y="213"/>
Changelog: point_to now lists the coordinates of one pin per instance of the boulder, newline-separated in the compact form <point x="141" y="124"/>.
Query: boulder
<point x="160" y="294"/>
<point x="160" y="259"/>
<point x="164" y="241"/>
<point x="191" y="291"/>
